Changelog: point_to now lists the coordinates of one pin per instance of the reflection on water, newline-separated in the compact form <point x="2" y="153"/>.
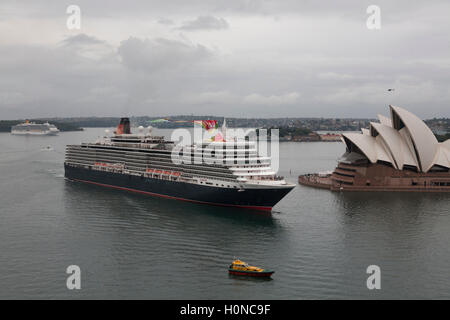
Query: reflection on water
<point x="385" y="200"/>
<point x="134" y="246"/>
<point x="248" y="278"/>
<point x="128" y="205"/>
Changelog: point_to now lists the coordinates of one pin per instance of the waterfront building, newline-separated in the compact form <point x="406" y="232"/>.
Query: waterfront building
<point x="399" y="153"/>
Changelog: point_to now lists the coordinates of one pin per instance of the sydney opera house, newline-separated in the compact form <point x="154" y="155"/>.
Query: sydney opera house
<point x="395" y="154"/>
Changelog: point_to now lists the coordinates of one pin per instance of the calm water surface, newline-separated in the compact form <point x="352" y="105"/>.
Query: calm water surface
<point x="133" y="246"/>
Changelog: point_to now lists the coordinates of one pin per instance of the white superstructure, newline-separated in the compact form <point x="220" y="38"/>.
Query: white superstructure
<point x="32" y="128"/>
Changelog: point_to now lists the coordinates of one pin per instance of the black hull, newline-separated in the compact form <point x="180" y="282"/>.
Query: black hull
<point x="260" y="199"/>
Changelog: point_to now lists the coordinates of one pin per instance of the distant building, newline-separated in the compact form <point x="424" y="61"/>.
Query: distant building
<point x="396" y="154"/>
<point x="330" y="137"/>
<point x="306" y="138"/>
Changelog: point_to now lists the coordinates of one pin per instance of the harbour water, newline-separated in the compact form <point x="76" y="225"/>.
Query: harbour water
<point x="134" y="246"/>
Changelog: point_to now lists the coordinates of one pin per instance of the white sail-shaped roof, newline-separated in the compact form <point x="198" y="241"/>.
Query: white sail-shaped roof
<point x="383" y="151"/>
<point x="365" y="131"/>
<point x="442" y="157"/>
<point x="446" y="144"/>
<point x="425" y="142"/>
<point x="402" y="140"/>
<point x="365" y="143"/>
<point x="397" y="146"/>
<point x="385" y="120"/>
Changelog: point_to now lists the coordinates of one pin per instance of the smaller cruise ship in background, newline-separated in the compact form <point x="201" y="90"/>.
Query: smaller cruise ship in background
<point x="32" y="128"/>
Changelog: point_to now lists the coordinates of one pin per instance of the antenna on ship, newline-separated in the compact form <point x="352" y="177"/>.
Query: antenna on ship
<point x="224" y="128"/>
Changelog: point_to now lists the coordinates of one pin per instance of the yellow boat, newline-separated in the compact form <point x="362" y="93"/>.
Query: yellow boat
<point x="241" y="268"/>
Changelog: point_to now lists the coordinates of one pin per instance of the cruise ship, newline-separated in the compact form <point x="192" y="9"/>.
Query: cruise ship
<point x="32" y="128"/>
<point x="144" y="163"/>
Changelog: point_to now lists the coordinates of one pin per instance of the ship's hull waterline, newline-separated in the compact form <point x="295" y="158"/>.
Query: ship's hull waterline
<point x="34" y="133"/>
<point x="256" y="199"/>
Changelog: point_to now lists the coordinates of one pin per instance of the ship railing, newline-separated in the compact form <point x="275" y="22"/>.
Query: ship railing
<point x="266" y="178"/>
<point x="182" y="177"/>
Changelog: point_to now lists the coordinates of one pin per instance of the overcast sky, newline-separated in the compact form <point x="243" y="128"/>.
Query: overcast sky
<point x="250" y="58"/>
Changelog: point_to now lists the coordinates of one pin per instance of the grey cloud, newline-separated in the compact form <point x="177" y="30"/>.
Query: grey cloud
<point x="272" y="100"/>
<point x="99" y="8"/>
<point x="87" y="46"/>
<point x="81" y="39"/>
<point x="162" y="77"/>
<point x="165" y="21"/>
<point x="161" y="54"/>
<point x="317" y="59"/>
<point x="205" y="23"/>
